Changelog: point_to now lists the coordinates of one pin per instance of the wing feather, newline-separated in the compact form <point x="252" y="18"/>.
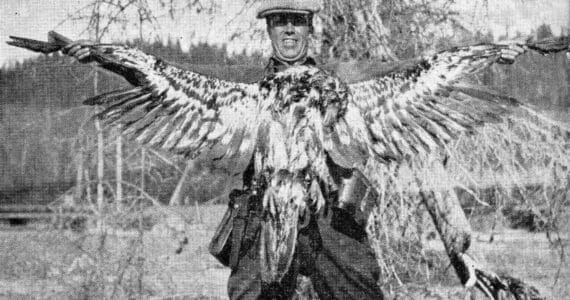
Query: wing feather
<point x="136" y="127"/>
<point x="425" y="105"/>
<point x="418" y="106"/>
<point x="175" y="109"/>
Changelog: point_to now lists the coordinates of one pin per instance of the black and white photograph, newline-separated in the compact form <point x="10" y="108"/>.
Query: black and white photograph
<point x="285" y="149"/>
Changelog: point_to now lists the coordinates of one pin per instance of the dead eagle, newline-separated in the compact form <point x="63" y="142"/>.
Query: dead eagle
<point x="291" y="122"/>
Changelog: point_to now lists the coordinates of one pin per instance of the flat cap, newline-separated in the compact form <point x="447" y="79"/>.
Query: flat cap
<point x="268" y="7"/>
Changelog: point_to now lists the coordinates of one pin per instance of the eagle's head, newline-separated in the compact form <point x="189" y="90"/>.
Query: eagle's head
<point x="302" y="87"/>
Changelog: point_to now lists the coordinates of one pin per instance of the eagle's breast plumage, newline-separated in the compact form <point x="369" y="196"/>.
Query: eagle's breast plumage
<point x="302" y="105"/>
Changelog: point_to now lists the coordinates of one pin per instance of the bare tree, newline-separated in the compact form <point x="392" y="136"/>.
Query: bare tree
<point x="381" y="29"/>
<point x="354" y="30"/>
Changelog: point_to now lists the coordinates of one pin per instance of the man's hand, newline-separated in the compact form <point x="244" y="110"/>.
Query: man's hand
<point x="509" y="54"/>
<point x="81" y="50"/>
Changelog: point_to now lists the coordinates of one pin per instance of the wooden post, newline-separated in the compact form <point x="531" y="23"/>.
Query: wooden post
<point x="198" y="212"/>
<point x="100" y="163"/>
<point x="79" y="175"/>
<point x="119" y="170"/>
<point x="140" y="256"/>
<point x="88" y="191"/>
<point x="177" y="197"/>
<point x="143" y="157"/>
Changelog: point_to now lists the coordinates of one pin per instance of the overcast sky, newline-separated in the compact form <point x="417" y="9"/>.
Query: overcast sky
<point x="34" y="18"/>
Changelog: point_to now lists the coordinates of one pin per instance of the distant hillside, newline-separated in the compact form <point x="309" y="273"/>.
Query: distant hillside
<point x="543" y="81"/>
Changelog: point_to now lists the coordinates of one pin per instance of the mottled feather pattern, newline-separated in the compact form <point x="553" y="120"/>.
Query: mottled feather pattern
<point x="298" y="102"/>
<point x="178" y="110"/>
<point x="286" y="199"/>
<point x="417" y="110"/>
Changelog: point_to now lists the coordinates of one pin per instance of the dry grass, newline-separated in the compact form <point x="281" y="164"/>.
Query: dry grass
<point x="47" y="264"/>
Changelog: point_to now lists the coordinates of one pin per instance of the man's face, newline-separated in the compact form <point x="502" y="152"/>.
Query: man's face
<point x="289" y="34"/>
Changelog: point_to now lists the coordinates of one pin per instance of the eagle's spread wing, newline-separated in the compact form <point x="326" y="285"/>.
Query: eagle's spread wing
<point x="425" y="104"/>
<point x="177" y="110"/>
<point x="170" y="108"/>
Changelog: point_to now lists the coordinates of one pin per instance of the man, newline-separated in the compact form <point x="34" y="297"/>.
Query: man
<point x="332" y="249"/>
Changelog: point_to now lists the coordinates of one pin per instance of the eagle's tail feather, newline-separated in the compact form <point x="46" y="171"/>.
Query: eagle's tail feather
<point x="55" y="43"/>
<point x="56" y="38"/>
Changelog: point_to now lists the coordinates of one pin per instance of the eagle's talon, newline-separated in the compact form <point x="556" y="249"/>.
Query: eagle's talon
<point x="319" y="203"/>
<point x="469" y="264"/>
<point x="317" y="200"/>
<point x="493" y="285"/>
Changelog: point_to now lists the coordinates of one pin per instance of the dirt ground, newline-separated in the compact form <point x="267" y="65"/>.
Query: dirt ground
<point x="39" y="263"/>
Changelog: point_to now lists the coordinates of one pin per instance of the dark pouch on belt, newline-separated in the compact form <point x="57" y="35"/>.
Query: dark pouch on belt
<point x="245" y="229"/>
<point x="219" y="246"/>
<point x="236" y="231"/>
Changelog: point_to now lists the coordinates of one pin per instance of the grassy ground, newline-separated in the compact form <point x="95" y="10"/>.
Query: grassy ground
<point x="41" y="263"/>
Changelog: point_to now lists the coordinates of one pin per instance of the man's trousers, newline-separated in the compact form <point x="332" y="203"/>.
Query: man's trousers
<point x="333" y="251"/>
